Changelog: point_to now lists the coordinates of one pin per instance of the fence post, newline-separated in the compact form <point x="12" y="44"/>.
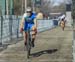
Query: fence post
<point x="18" y="27"/>
<point x="10" y="26"/>
<point x="1" y="30"/>
<point x="73" y="40"/>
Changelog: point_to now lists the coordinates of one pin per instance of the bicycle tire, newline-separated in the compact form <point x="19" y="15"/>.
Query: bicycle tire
<point x="28" y="54"/>
<point x="28" y="44"/>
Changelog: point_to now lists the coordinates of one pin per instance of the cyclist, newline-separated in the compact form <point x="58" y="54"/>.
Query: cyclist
<point x="29" y="20"/>
<point x="62" y="23"/>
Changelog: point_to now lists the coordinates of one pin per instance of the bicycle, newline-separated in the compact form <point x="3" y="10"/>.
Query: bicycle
<point x="29" y="44"/>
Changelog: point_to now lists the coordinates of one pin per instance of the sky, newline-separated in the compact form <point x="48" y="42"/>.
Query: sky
<point x="58" y="2"/>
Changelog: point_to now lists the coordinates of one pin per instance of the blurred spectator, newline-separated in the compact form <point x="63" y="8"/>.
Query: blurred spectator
<point x="40" y="15"/>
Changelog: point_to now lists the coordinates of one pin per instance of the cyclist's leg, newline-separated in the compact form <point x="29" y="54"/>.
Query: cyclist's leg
<point x="33" y="35"/>
<point x="33" y="39"/>
<point x="25" y="34"/>
<point x="25" y="37"/>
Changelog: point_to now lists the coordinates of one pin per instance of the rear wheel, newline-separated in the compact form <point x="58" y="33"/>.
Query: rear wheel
<point x="63" y="28"/>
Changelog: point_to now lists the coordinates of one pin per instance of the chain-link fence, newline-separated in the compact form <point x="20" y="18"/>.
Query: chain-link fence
<point x="9" y="28"/>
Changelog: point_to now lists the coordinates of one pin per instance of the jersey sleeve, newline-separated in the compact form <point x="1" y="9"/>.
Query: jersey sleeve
<point x="22" y="21"/>
<point x="24" y="15"/>
<point x="33" y="16"/>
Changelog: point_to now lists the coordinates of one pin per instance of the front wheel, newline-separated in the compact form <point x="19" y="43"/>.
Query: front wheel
<point x="28" y="45"/>
<point x="28" y="53"/>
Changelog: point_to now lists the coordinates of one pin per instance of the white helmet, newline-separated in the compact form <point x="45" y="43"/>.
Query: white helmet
<point x="29" y="9"/>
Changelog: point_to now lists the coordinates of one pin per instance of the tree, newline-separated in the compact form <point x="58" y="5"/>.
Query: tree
<point x="19" y="6"/>
<point x="73" y="9"/>
<point x="61" y="8"/>
<point x="46" y="6"/>
<point x="73" y="13"/>
<point x="0" y="11"/>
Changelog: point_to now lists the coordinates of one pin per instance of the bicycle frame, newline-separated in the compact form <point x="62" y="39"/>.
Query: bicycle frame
<point x="28" y="43"/>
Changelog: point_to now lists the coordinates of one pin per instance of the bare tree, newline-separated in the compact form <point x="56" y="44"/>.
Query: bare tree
<point x="60" y="8"/>
<point x="19" y="6"/>
<point x="7" y="7"/>
<point x="46" y="6"/>
<point x="0" y="11"/>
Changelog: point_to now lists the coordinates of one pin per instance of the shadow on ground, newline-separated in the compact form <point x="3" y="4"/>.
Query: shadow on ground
<point x="68" y="29"/>
<point x="37" y="54"/>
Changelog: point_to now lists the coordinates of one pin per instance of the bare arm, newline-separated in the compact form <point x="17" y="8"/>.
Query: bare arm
<point x="22" y="23"/>
<point x="35" y="22"/>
